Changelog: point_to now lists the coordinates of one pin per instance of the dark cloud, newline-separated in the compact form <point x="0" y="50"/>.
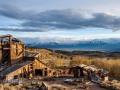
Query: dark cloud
<point x="22" y="29"/>
<point x="61" y="19"/>
<point x="11" y="12"/>
<point x="14" y="12"/>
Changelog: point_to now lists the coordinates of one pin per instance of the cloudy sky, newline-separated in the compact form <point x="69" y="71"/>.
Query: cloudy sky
<point x="60" y="20"/>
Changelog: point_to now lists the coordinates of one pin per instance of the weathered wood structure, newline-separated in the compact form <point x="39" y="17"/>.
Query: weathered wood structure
<point x="94" y="74"/>
<point x="28" y="69"/>
<point x="11" y="50"/>
<point x="21" y="63"/>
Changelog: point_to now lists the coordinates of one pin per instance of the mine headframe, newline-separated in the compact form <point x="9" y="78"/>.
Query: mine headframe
<point x="11" y="49"/>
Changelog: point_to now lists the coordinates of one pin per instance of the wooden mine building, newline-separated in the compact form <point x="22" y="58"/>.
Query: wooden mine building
<point x="11" y="50"/>
<point x="16" y="62"/>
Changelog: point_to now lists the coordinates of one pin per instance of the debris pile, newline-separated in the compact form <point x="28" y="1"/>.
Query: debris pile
<point x="48" y="79"/>
<point x="57" y="87"/>
<point x="11" y="87"/>
<point x="111" y="85"/>
<point x="24" y="86"/>
<point x="81" y="83"/>
<point x="93" y="73"/>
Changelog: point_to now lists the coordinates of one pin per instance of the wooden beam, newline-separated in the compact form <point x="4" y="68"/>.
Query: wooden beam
<point x="12" y="48"/>
<point x="5" y="36"/>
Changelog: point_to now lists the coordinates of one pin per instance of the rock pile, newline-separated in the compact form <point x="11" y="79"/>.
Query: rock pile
<point x="111" y="85"/>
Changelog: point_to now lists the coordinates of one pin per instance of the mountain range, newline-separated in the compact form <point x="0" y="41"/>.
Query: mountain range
<point x="106" y="45"/>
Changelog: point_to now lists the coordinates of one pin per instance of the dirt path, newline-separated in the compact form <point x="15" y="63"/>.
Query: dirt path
<point x="93" y="86"/>
<point x="61" y="84"/>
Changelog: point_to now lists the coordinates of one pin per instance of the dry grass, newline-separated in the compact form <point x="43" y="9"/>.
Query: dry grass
<point x="113" y="66"/>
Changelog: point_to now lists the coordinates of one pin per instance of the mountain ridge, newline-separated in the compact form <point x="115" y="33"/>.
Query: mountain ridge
<point x="109" y="45"/>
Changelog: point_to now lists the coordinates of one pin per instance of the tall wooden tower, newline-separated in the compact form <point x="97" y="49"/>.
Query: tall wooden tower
<point x="11" y="49"/>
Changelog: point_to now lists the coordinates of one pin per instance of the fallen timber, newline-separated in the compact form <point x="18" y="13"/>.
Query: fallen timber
<point x="94" y="74"/>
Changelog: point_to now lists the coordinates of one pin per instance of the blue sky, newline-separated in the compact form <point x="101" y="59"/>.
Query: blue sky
<point x="60" y="20"/>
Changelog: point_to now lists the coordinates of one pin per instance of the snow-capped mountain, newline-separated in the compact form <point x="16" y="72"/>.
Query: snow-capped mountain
<point x="92" y="45"/>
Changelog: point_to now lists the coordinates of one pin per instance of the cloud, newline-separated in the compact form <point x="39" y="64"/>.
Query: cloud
<point x="66" y="19"/>
<point x="14" y="12"/>
<point x="23" y="29"/>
